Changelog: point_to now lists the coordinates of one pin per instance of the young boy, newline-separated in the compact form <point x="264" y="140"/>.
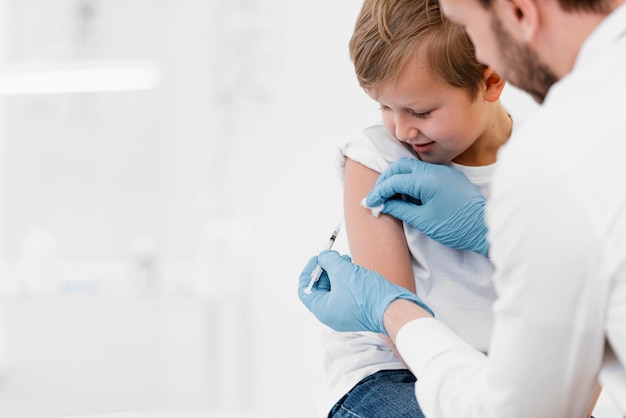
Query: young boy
<point x="440" y="105"/>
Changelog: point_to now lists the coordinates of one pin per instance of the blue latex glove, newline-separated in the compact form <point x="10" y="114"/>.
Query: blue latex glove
<point x="348" y="297"/>
<point x="452" y="210"/>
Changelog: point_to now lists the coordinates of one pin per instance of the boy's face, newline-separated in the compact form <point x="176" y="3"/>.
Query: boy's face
<point x="439" y="122"/>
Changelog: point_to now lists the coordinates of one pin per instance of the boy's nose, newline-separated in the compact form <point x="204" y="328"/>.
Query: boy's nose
<point x="405" y="131"/>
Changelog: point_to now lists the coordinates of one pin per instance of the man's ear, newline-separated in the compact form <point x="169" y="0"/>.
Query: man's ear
<point x="521" y="17"/>
<point x="494" y="84"/>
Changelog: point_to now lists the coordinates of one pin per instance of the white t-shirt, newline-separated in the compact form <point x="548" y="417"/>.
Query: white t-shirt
<point x="455" y="284"/>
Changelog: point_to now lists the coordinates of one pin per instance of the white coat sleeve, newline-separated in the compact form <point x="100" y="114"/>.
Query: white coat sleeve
<point x="548" y="337"/>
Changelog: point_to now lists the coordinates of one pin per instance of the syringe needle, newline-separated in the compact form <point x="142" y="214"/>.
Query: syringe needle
<point x="317" y="272"/>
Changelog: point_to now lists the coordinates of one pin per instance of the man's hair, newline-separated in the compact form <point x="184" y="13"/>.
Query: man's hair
<point x="388" y="33"/>
<point x="591" y="6"/>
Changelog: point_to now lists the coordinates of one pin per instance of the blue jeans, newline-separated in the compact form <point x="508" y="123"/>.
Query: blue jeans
<point x="385" y="394"/>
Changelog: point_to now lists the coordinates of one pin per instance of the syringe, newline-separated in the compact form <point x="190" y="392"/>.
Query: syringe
<point x="315" y="274"/>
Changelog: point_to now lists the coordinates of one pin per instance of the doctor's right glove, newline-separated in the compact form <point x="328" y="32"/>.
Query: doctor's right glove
<point x="348" y="297"/>
<point x="452" y="209"/>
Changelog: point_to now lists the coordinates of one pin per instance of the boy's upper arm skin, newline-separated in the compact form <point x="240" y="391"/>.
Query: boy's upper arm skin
<point x="379" y="243"/>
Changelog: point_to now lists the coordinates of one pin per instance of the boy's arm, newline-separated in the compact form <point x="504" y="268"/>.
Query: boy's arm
<point x="378" y="243"/>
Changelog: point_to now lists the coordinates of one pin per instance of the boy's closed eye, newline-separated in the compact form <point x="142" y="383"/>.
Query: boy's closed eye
<point x="419" y="115"/>
<point x="414" y="113"/>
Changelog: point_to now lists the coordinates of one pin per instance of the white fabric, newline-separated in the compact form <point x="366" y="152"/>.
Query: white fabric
<point x="557" y="222"/>
<point x="455" y="284"/>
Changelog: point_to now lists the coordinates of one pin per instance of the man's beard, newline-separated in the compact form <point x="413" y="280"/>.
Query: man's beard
<point x="523" y="66"/>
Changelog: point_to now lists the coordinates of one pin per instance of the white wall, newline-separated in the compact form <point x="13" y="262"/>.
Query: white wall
<point x="227" y="169"/>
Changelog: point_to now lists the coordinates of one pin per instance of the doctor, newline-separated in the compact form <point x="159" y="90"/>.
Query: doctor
<point x="557" y="227"/>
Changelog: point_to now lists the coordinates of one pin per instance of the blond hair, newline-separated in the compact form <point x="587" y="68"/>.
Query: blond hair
<point x="388" y="32"/>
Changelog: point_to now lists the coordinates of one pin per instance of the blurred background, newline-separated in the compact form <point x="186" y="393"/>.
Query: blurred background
<point x="167" y="167"/>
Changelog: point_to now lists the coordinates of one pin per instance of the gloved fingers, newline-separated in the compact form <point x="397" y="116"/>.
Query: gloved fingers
<point x="404" y="165"/>
<point x="331" y="260"/>
<point x="401" y="166"/>
<point x="308" y="269"/>
<point x="340" y="269"/>
<point x="317" y="299"/>
<point x="397" y="184"/>
<point x="323" y="283"/>
<point x="305" y="276"/>
<point x="407" y="212"/>
<point x="315" y="302"/>
<point x="344" y="256"/>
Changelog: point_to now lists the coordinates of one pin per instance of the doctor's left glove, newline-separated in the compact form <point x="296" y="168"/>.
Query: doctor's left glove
<point x="452" y="209"/>
<point x="348" y="297"/>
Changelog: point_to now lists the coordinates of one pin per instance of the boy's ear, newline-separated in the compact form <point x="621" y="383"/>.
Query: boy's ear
<point x="494" y="84"/>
